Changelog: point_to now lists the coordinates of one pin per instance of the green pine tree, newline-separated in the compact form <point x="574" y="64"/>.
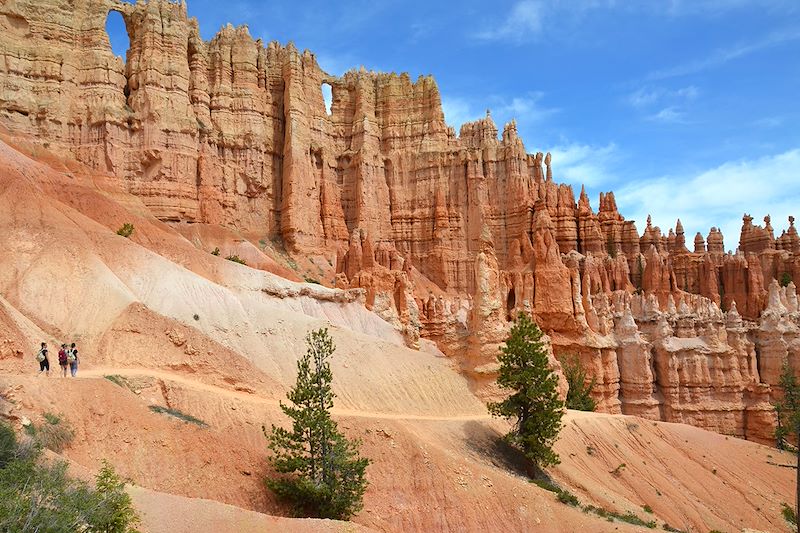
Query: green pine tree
<point x="579" y="395"/>
<point x="788" y="413"/>
<point x="327" y="476"/>
<point x="533" y="405"/>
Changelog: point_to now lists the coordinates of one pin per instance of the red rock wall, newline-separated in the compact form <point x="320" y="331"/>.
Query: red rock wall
<point x="450" y="235"/>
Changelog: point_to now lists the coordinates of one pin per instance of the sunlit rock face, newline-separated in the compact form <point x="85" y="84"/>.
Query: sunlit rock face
<point x="452" y="235"/>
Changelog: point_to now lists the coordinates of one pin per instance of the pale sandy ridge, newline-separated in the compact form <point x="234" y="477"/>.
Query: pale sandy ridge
<point x="95" y="373"/>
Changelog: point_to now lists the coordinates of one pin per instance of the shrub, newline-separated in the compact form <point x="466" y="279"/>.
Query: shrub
<point x="178" y="414"/>
<point x="126" y="230"/>
<point x="236" y="259"/>
<point x="579" y="395"/>
<point x="788" y="514"/>
<point x="215" y="252"/>
<point x="568" y="498"/>
<point x="647" y="509"/>
<point x="786" y="279"/>
<point x="55" y="433"/>
<point x="37" y="496"/>
<point x="196" y="316"/>
<point x="8" y="445"/>
<point x="308" y="279"/>
<point x="618" y="470"/>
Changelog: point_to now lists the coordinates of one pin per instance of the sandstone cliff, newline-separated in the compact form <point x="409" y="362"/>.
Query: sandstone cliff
<point x="450" y="235"/>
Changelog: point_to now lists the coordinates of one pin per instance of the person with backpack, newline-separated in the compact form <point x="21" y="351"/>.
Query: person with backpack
<point x="44" y="362"/>
<point x="62" y="360"/>
<point x="72" y="359"/>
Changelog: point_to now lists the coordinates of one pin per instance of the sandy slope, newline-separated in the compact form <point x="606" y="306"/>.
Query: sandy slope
<point x="190" y="331"/>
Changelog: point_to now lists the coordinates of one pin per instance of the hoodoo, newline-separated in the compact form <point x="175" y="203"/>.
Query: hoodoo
<point x="450" y="235"/>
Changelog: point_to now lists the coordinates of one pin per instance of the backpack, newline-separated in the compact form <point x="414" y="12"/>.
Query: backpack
<point x="72" y="355"/>
<point x="41" y="356"/>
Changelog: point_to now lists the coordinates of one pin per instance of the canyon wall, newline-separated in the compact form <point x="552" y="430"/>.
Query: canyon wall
<point x="450" y="234"/>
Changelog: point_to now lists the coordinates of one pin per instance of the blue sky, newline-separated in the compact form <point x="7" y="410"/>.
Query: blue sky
<point x="684" y="108"/>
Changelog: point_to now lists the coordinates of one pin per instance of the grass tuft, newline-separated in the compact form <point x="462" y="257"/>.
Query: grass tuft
<point x="178" y="414"/>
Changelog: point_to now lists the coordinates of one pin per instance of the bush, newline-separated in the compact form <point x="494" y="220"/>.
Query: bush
<point x="788" y="514"/>
<point x="178" y="414"/>
<point x="55" y="433"/>
<point x="8" y="445"/>
<point x="786" y="279"/>
<point x="579" y="396"/>
<point x="236" y="259"/>
<point x="215" y="252"/>
<point x="568" y="498"/>
<point x="37" y="496"/>
<point x="126" y="230"/>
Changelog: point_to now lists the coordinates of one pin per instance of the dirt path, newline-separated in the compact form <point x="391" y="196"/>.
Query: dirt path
<point x="100" y="372"/>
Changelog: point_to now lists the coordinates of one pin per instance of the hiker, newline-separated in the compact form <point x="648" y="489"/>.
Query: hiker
<point x="72" y="358"/>
<point x="44" y="363"/>
<point x="62" y="360"/>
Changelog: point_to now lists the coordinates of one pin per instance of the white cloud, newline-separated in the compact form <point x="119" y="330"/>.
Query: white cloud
<point x="526" y="110"/>
<point x="523" y="22"/>
<point x="458" y="111"/>
<point x="724" y="55"/>
<point x="718" y="196"/>
<point x="584" y="164"/>
<point x="647" y="96"/>
<point x="669" y="115"/>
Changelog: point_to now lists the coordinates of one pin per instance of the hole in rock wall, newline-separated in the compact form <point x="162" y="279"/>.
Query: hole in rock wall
<point x="327" y="97"/>
<point x="118" y="35"/>
<point x="119" y="40"/>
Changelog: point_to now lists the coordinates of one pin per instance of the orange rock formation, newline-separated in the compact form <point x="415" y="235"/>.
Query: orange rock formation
<point x="450" y="235"/>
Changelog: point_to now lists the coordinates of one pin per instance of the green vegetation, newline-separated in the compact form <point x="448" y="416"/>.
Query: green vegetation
<point x="178" y="414"/>
<point x="579" y="396"/>
<point x="54" y="434"/>
<point x="618" y="470"/>
<point x="786" y="279"/>
<point x="668" y="527"/>
<point x="120" y="381"/>
<point x="39" y="496"/>
<point x="308" y="279"/>
<point x="216" y="251"/>
<point x="236" y="259"/>
<point x="627" y="517"/>
<point x="562" y="495"/>
<point x="126" y="230"/>
<point x="533" y="406"/>
<point x="647" y="509"/>
<point x="788" y="415"/>
<point x="788" y="514"/>
<point x="326" y="475"/>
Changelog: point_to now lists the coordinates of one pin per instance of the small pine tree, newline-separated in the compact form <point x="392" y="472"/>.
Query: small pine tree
<point x="328" y="475"/>
<point x="579" y="396"/>
<point x="115" y="512"/>
<point x="786" y="279"/>
<point x="534" y="404"/>
<point x="788" y="411"/>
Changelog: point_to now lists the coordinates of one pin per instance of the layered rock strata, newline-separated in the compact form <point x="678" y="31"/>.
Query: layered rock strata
<point x="450" y="234"/>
